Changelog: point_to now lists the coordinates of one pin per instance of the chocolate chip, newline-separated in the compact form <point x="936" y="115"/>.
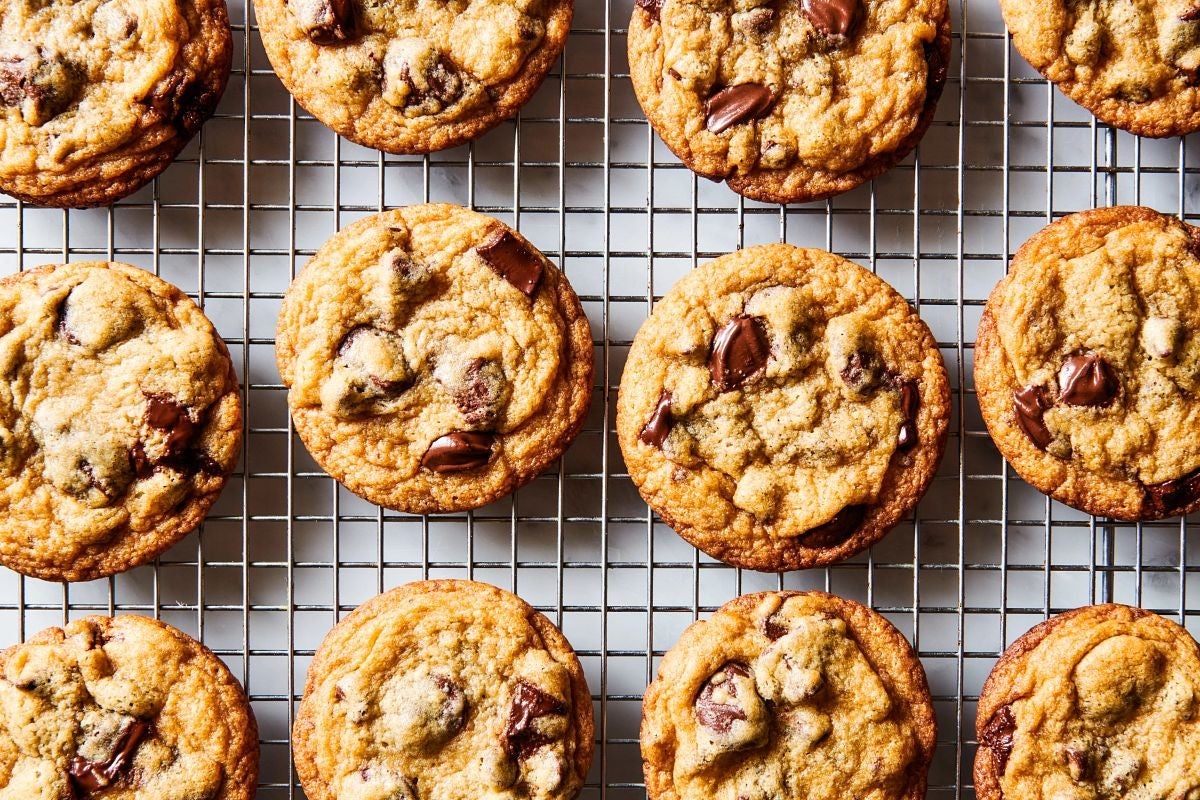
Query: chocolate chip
<point x="418" y="79"/>
<point x="326" y="22"/>
<point x="739" y="352"/>
<point x="512" y="260"/>
<point x="1030" y="405"/>
<point x="41" y="85"/>
<point x="660" y="423"/>
<point x="1087" y="380"/>
<point x="459" y="451"/>
<point x="529" y="703"/>
<point x="863" y="371"/>
<point x="734" y="105"/>
<point x="167" y="414"/>
<point x="998" y="737"/>
<point x="651" y="7"/>
<point x="773" y="629"/>
<point x="831" y="17"/>
<point x="837" y="530"/>
<point x="184" y="102"/>
<point x="480" y="392"/>
<point x="718" y="716"/>
<point x="910" y="400"/>
<point x="94" y="776"/>
<point x="1191" y="15"/>
<point x="1172" y="496"/>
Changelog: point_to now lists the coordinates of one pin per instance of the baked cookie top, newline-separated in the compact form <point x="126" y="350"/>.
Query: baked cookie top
<point x="98" y="96"/>
<point x="119" y="419"/>
<point x="1099" y="702"/>
<point x="122" y="708"/>
<point x="435" y="359"/>
<point x="1088" y="363"/>
<point x="412" y="76"/>
<point x="789" y="100"/>
<point x="447" y="689"/>
<point x="782" y="407"/>
<point x="782" y="690"/>
<point x="1133" y="64"/>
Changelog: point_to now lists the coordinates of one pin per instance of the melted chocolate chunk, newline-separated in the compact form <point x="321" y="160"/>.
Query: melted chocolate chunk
<point x="512" y="260"/>
<point x="1191" y="15"/>
<point x="998" y="737"/>
<point x="734" y="105"/>
<point x="651" y="7"/>
<point x="450" y="716"/>
<point x="40" y="84"/>
<point x="167" y="414"/>
<point x="1087" y="380"/>
<point x="739" y="352"/>
<point x="831" y="17"/>
<point x="183" y="102"/>
<point x="774" y="630"/>
<point x="862" y="371"/>
<point x="837" y="530"/>
<point x="529" y="703"/>
<point x="910" y="400"/>
<point x="658" y="427"/>
<point x="1170" y="497"/>
<point x="716" y="716"/>
<point x="326" y="22"/>
<point x="459" y="451"/>
<point x="93" y="776"/>
<point x="61" y="325"/>
<point x="1030" y="405"/>
<point x="479" y="394"/>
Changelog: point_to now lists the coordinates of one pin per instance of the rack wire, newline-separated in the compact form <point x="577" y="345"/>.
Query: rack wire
<point x="286" y="552"/>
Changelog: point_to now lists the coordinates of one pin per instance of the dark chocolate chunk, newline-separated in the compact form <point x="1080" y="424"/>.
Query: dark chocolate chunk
<point x="998" y="737"/>
<point x="773" y="628"/>
<point x="716" y="716"/>
<point x="167" y="414"/>
<point x="93" y="776"/>
<point x="734" y="105"/>
<point x="651" y="7"/>
<point x="907" y="438"/>
<point x="458" y="451"/>
<point x="831" y="17"/>
<point x="739" y="352"/>
<point x="529" y="702"/>
<point x="61" y="325"/>
<point x="184" y="102"/>
<point x="837" y="530"/>
<point x="910" y="400"/>
<point x="1087" y="380"/>
<point x="326" y="22"/>
<point x="450" y="716"/>
<point x="862" y="371"/>
<point x="1191" y="15"/>
<point x="481" y="391"/>
<point x="1030" y="405"/>
<point x="512" y="260"/>
<point x="1170" y="497"/>
<point x="658" y="427"/>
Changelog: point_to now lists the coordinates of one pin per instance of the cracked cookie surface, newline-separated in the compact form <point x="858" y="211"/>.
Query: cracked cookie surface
<point x="122" y="708"/>
<point x="413" y="76"/>
<point x="789" y="100"/>
<point x="444" y="690"/>
<point x="436" y="361"/>
<point x="782" y="408"/>
<point x="1097" y="703"/>
<point x="785" y="694"/>
<point x="97" y="97"/>
<point x="1087" y="363"/>
<point x="1135" y="64"/>
<point x="120" y="419"/>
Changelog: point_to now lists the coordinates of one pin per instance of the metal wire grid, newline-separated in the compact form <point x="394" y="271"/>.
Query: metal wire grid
<point x="286" y="551"/>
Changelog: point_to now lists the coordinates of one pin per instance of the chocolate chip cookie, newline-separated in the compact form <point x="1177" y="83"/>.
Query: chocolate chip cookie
<point x="1135" y="64"/>
<point x="446" y="689"/>
<point x="783" y="408"/>
<point x="97" y="97"/>
<point x="788" y="694"/>
<point x="789" y="100"/>
<point x="1087" y="363"/>
<point x="413" y="77"/>
<point x="1099" y="702"/>
<point x="123" y="707"/>
<point x="120" y="419"/>
<point x="435" y="360"/>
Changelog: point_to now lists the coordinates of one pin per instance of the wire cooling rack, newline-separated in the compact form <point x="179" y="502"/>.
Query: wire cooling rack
<point x="286" y="552"/>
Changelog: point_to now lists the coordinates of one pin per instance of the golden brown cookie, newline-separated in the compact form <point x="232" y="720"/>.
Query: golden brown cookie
<point x="789" y="100"/>
<point x="123" y="708"/>
<point x="1134" y="64"/>
<point x="788" y="694"/>
<point x="453" y="690"/>
<point x="120" y="419"/>
<point x="413" y="77"/>
<point x="97" y="97"/>
<point x="1087" y="363"/>
<point x="1099" y="702"/>
<point x="783" y="408"/>
<point x="435" y="360"/>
